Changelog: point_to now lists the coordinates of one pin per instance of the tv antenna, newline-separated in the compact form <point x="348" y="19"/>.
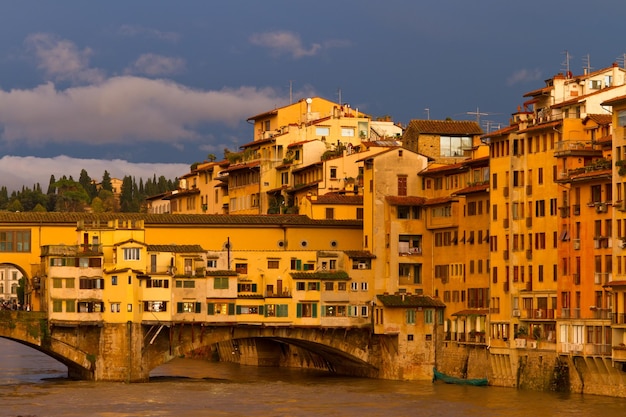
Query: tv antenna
<point x="568" y="57"/>
<point x="477" y="113"/>
<point x="290" y="91"/>
<point x="587" y="63"/>
<point x="622" y="60"/>
<point x="427" y="110"/>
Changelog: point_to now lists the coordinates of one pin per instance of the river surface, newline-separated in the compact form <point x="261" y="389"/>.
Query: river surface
<point x="32" y="384"/>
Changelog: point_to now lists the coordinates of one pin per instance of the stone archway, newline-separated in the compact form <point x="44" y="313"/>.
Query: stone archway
<point x="14" y="286"/>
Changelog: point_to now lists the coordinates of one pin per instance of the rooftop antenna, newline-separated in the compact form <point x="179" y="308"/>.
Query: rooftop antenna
<point x="339" y="95"/>
<point x="587" y="63"/>
<point x="477" y="113"/>
<point x="290" y="91"/>
<point x="566" y="63"/>
<point x="622" y="60"/>
<point x="427" y="110"/>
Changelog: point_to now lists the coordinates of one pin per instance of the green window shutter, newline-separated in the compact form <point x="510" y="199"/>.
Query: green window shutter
<point x="298" y="264"/>
<point x="317" y="286"/>
<point x="198" y="307"/>
<point x="253" y="287"/>
<point x="238" y="309"/>
<point x="210" y="309"/>
<point x="323" y="311"/>
<point x="314" y="310"/>
<point x="179" y="307"/>
<point x="231" y="309"/>
<point x="281" y="310"/>
<point x="299" y="310"/>
<point x="261" y="310"/>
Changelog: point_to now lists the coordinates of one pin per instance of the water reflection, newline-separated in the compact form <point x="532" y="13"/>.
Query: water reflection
<point x="186" y="387"/>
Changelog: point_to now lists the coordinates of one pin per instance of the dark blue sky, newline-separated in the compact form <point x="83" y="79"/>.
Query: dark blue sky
<point x="168" y="82"/>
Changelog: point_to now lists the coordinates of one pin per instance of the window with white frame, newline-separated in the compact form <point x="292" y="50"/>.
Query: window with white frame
<point x="322" y="131"/>
<point x="347" y="132"/>
<point x="132" y="254"/>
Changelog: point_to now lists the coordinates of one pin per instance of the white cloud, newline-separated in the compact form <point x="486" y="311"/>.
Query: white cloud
<point x="524" y="75"/>
<point x="136" y="30"/>
<point x="124" y="108"/>
<point x="61" y="59"/>
<point x="27" y="171"/>
<point x="284" y="42"/>
<point x="156" y="65"/>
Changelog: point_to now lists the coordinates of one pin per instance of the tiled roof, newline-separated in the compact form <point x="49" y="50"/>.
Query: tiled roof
<point x="297" y="144"/>
<point x="405" y="201"/>
<point x="604" y="173"/>
<point x="601" y="119"/>
<point x="181" y="193"/>
<point x="459" y="167"/>
<point x="335" y="198"/>
<point x="439" y="200"/>
<point x="541" y="126"/>
<point x="446" y="127"/>
<point x="221" y="273"/>
<point x="37" y="218"/>
<point x="304" y="168"/>
<point x="472" y="312"/>
<point x="359" y="254"/>
<point x="176" y="248"/>
<point x="237" y="167"/>
<point x="408" y="301"/>
<point x="619" y="283"/>
<point x="322" y="275"/>
<point x="473" y="189"/>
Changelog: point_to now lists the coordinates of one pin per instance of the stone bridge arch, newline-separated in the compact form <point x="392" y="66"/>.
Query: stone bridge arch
<point x="31" y="329"/>
<point x="345" y="351"/>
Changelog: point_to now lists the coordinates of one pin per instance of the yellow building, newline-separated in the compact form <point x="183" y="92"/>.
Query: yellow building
<point x="550" y="192"/>
<point x="156" y="269"/>
<point x="617" y="277"/>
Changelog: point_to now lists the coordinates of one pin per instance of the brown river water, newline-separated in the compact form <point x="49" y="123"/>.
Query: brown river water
<point x="32" y="384"/>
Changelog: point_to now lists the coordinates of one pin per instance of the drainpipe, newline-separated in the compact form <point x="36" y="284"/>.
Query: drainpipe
<point x="129" y="335"/>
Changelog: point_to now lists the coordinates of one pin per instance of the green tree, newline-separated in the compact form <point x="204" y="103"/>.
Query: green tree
<point x="71" y="196"/>
<point x="39" y="208"/>
<point x="4" y="197"/>
<point x="15" y="205"/>
<point x="88" y="184"/>
<point x="128" y="200"/>
<point x="109" y="202"/>
<point x="106" y="182"/>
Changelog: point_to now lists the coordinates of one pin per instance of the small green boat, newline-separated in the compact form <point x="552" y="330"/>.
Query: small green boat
<point x="459" y="381"/>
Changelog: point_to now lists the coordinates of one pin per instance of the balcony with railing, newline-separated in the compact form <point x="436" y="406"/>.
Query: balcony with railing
<point x="538" y="314"/>
<point x="577" y="148"/>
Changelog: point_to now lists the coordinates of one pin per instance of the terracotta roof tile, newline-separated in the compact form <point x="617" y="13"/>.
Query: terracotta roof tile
<point x="176" y="248"/>
<point x="446" y="127"/>
<point x="322" y="275"/>
<point x="439" y="200"/>
<point x="408" y="301"/>
<point x="353" y="254"/>
<point x="472" y="312"/>
<point x="37" y="218"/>
<point x="473" y="189"/>
<point x="335" y="198"/>
<point x="237" y="167"/>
